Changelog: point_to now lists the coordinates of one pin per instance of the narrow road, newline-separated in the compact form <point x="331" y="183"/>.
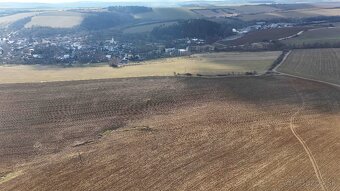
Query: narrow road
<point x="304" y="145"/>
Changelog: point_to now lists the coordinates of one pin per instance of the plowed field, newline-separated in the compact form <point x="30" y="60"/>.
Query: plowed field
<point x="317" y="64"/>
<point x="170" y="134"/>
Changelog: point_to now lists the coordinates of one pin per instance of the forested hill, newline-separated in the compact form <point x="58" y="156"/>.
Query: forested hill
<point x="194" y="28"/>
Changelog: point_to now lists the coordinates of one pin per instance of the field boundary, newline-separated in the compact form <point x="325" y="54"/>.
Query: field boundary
<point x="300" y="77"/>
<point x="282" y="61"/>
<point x="310" y="79"/>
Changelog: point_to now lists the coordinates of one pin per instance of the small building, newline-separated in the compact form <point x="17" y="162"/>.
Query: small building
<point x="117" y="62"/>
<point x="183" y="52"/>
<point x="170" y="50"/>
<point x="37" y="56"/>
<point x="30" y="51"/>
<point x="124" y="61"/>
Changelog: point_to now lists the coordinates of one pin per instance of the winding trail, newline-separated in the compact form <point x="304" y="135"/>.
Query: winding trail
<point x="304" y="145"/>
<point x="293" y="117"/>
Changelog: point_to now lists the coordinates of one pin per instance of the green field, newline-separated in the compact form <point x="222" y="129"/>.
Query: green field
<point x="214" y="64"/>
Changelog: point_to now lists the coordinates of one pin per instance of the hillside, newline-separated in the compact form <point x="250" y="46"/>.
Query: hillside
<point x="167" y="14"/>
<point x="60" y="19"/>
<point x="322" y="36"/>
<point x="291" y="14"/>
<point x="5" y="21"/>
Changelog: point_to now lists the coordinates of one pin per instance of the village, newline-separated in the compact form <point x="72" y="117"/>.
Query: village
<point x="73" y="49"/>
<point x="78" y="49"/>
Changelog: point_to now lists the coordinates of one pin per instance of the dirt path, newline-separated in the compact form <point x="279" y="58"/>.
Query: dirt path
<point x="304" y="145"/>
<point x="282" y="61"/>
<point x="309" y="79"/>
<point x="291" y="36"/>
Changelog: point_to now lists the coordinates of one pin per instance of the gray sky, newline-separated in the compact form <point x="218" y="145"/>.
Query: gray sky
<point x="60" y="1"/>
<point x="65" y="1"/>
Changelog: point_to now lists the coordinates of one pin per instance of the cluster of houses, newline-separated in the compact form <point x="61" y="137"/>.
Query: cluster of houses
<point x="70" y="49"/>
<point x="261" y="26"/>
<point x="60" y="49"/>
<point x="177" y="52"/>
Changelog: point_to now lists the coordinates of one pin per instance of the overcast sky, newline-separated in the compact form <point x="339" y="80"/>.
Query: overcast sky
<point x="64" y="1"/>
<point x="112" y="1"/>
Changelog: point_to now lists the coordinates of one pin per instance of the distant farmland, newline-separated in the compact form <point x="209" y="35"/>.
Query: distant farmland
<point x="216" y="63"/>
<point x="62" y="19"/>
<point x="224" y="12"/>
<point x="300" y="13"/>
<point x="7" y="20"/>
<point x="310" y="37"/>
<point x="318" y="64"/>
<point x="247" y="10"/>
<point x="265" y="35"/>
<point x="253" y="9"/>
<point x="232" y="11"/>
<point x="167" y="14"/>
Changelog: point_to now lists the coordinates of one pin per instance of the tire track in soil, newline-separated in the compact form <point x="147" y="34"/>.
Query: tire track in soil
<point x="303" y="143"/>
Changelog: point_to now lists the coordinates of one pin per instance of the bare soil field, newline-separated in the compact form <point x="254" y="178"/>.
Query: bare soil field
<point x="170" y="134"/>
<point x="214" y="63"/>
<point x="265" y="35"/>
<point x="321" y="35"/>
<point x="317" y="64"/>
